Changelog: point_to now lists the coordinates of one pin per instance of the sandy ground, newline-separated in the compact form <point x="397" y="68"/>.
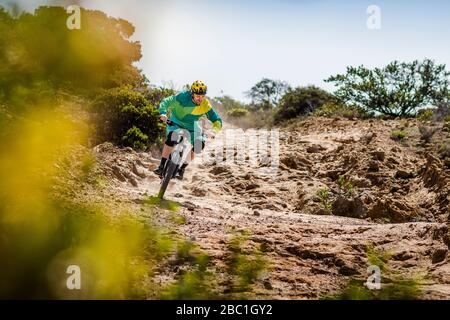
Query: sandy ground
<point x="398" y="202"/>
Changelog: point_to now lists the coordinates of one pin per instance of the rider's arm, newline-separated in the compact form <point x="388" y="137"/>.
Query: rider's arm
<point x="166" y="105"/>
<point x="215" y="119"/>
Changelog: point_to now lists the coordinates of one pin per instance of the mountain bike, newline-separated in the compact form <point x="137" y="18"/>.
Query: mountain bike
<point x="178" y="156"/>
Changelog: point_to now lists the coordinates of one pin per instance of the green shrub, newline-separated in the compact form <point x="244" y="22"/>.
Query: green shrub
<point x="340" y="110"/>
<point x="125" y="117"/>
<point x="398" y="135"/>
<point x="345" y="185"/>
<point x="237" y="112"/>
<point x="155" y="95"/>
<point x="301" y="101"/>
<point x="323" y="196"/>
<point x="425" y="115"/>
<point x="135" y="138"/>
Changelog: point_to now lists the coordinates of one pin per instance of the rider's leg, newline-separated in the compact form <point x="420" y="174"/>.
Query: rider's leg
<point x="168" y="146"/>
<point x="167" y="149"/>
<point x="165" y="154"/>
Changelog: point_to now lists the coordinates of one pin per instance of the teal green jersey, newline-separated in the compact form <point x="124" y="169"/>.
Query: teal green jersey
<point x="186" y="113"/>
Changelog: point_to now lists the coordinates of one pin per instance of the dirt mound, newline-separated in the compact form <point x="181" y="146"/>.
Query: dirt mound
<point x="433" y="174"/>
<point x="124" y="164"/>
<point x="353" y="207"/>
<point x="387" y="180"/>
<point x="393" y="210"/>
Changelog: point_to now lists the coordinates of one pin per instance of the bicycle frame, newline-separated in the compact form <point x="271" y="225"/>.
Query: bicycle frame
<point x="180" y="151"/>
<point x="178" y="156"/>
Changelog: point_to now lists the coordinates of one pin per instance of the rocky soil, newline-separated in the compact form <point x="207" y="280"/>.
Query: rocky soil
<point x="341" y="187"/>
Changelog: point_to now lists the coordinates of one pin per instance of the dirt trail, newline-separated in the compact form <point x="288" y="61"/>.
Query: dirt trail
<point x="314" y="244"/>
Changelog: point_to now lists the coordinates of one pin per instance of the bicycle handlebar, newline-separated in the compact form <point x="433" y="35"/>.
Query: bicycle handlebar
<point x="171" y="123"/>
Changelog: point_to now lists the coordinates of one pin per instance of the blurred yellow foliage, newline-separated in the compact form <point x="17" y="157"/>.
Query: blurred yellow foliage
<point x="42" y="235"/>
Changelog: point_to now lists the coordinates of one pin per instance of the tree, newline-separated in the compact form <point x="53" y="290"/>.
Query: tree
<point x="301" y="101"/>
<point x="267" y="93"/>
<point x="399" y="89"/>
<point x="38" y="50"/>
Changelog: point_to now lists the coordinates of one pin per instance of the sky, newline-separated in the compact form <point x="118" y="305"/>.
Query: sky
<point x="231" y="45"/>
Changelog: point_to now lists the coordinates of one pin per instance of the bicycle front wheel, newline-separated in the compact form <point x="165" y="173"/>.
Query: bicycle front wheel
<point x="168" y="174"/>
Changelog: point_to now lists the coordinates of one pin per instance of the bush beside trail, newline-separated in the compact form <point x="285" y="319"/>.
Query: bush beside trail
<point x="125" y="117"/>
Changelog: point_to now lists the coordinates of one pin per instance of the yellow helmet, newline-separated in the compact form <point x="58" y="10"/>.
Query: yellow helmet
<point x="198" y="87"/>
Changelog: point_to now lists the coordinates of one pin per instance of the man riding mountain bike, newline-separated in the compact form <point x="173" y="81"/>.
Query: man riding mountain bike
<point x="186" y="109"/>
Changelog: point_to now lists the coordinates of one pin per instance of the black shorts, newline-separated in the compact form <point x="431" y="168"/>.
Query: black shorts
<point x="199" y="143"/>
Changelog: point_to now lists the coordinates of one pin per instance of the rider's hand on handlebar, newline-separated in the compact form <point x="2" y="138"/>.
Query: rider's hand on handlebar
<point x="163" y="118"/>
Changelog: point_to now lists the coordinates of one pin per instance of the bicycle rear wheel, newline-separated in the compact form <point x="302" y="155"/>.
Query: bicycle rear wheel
<point x="168" y="174"/>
